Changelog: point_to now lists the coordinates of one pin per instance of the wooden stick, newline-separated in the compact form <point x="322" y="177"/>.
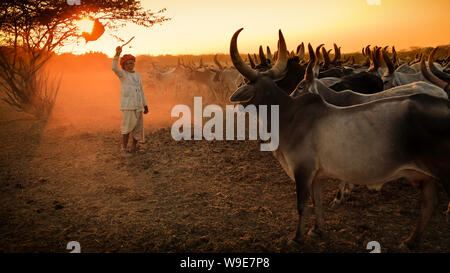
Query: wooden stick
<point x="127" y="42"/>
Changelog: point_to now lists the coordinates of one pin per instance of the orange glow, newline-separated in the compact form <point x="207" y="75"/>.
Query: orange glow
<point x="85" y="25"/>
<point x="205" y="26"/>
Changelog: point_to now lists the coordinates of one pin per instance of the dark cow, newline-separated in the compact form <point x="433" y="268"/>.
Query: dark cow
<point x="361" y="82"/>
<point x="293" y="75"/>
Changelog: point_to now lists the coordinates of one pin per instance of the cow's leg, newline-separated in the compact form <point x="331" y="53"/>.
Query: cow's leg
<point x="303" y="179"/>
<point x="446" y="184"/>
<point x="317" y="202"/>
<point x="339" y="195"/>
<point x="348" y="191"/>
<point x="447" y="212"/>
<point x="428" y="205"/>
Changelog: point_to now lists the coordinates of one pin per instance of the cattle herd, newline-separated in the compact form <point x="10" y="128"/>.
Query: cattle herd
<point x="364" y="124"/>
<point x="361" y="123"/>
<point x="219" y="81"/>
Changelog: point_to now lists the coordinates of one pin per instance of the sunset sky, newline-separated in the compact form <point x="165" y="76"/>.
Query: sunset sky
<point x="206" y="26"/>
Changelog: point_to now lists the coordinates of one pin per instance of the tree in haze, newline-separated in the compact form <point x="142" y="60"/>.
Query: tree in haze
<point x="31" y="31"/>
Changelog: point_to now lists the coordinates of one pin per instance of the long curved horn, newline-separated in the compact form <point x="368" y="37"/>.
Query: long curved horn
<point x="252" y="63"/>
<point x="242" y="67"/>
<point x="318" y="52"/>
<point x="280" y="66"/>
<point x="309" y="74"/>
<point x="375" y="57"/>
<point x="312" y="56"/>
<point x="388" y="61"/>
<point x="336" y="54"/>
<point x="326" y="58"/>
<point x="269" y="54"/>
<point x="301" y="51"/>
<point x="315" y="59"/>
<point x="369" y="55"/>
<point x="216" y="61"/>
<point x="440" y="74"/>
<point x="431" y="77"/>
<point x="255" y="59"/>
<point x="368" y="51"/>
<point x="394" y="56"/>
<point x="262" y="57"/>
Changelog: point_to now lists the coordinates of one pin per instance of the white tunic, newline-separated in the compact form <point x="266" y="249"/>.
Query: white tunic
<point x="132" y="95"/>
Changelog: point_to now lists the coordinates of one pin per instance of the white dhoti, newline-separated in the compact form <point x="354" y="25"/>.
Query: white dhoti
<point x="132" y="122"/>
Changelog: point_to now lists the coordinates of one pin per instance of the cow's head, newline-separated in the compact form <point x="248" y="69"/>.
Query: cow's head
<point x="261" y="86"/>
<point x="308" y="84"/>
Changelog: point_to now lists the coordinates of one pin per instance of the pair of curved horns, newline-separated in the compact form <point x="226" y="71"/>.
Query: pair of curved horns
<point x="337" y="54"/>
<point x="312" y="70"/>
<point x="390" y="65"/>
<point x="250" y="73"/>
<point x="216" y="61"/>
<point x="432" y="78"/>
<point x="440" y="74"/>
<point x="374" y="57"/>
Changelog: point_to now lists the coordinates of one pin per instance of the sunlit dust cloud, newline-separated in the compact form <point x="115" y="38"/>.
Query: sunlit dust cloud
<point x="85" y="25"/>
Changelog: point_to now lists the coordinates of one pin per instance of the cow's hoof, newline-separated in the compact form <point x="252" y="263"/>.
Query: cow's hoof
<point x="334" y="204"/>
<point x="294" y="243"/>
<point x="314" y="233"/>
<point x="407" y="246"/>
<point x="404" y="247"/>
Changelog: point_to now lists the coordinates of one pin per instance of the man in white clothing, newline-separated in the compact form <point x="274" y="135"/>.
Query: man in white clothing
<point x="132" y="99"/>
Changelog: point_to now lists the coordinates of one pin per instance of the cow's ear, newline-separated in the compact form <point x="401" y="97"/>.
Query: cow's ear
<point x="243" y="94"/>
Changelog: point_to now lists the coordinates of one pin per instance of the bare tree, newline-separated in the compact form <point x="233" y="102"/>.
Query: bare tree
<point x="31" y="31"/>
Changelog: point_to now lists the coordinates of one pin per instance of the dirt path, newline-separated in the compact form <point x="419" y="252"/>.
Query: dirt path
<point x="195" y="196"/>
<point x="64" y="180"/>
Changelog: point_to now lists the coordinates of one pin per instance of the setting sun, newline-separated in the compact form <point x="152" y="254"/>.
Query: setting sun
<point x="85" y="25"/>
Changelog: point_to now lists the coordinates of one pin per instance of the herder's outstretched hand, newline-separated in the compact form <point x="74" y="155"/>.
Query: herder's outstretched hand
<point x="118" y="50"/>
<point x="145" y="109"/>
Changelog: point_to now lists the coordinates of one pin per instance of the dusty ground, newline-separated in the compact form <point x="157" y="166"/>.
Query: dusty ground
<point x="64" y="180"/>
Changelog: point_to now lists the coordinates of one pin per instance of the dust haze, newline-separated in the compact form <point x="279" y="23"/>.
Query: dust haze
<point x="89" y="96"/>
